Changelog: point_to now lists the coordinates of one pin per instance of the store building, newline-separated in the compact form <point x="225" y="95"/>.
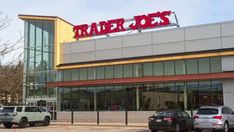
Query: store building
<point x="173" y="68"/>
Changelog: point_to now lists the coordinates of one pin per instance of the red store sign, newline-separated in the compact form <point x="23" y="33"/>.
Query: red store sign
<point x="117" y="25"/>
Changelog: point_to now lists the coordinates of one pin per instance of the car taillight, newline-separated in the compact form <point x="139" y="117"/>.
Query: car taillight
<point x="195" y="117"/>
<point x="217" y="117"/>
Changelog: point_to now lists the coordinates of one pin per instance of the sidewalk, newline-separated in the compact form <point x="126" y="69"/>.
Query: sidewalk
<point x="100" y="124"/>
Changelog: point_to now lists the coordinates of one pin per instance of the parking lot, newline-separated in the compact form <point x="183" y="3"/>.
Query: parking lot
<point x="76" y="128"/>
<point x="64" y="128"/>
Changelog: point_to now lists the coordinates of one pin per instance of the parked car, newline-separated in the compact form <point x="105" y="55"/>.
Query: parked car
<point x="176" y="120"/>
<point x="0" y="113"/>
<point x="24" y="115"/>
<point x="214" y="117"/>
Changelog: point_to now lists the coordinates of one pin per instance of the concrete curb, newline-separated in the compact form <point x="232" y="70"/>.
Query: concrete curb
<point x="143" y="125"/>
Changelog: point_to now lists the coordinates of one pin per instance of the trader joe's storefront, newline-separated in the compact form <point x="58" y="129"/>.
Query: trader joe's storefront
<point x="142" y="97"/>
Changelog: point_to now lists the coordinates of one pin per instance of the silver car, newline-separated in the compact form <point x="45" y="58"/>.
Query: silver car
<point x="214" y="117"/>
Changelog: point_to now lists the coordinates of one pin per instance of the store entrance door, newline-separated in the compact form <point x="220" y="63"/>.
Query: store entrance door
<point x="52" y="109"/>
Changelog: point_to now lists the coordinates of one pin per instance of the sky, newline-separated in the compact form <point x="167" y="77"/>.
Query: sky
<point x="189" y="12"/>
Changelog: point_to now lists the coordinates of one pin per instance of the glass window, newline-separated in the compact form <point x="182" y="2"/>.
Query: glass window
<point x="208" y="111"/>
<point x="215" y="64"/>
<point x="101" y="98"/>
<point x="109" y="72"/>
<point x="39" y="35"/>
<point x="119" y="98"/>
<point x="174" y="96"/>
<point x="75" y="74"/>
<point x="91" y="74"/>
<point x="180" y="97"/>
<point x="31" y="34"/>
<point x="67" y="75"/>
<point x="167" y="96"/>
<point x="205" y="93"/>
<point x="180" y="67"/>
<point x="128" y="71"/>
<point x="19" y="109"/>
<point x="158" y="69"/>
<point x="130" y="97"/>
<point x="148" y="69"/>
<point x="109" y="96"/>
<point x="82" y="99"/>
<point x="169" y="68"/>
<point x="192" y="66"/>
<point x="192" y="95"/>
<point x="60" y="98"/>
<point x="118" y="71"/>
<point x="38" y="62"/>
<point x="39" y="57"/>
<point x="229" y="110"/>
<point x="217" y="92"/>
<point x="147" y="97"/>
<point x="204" y="65"/>
<point x="100" y="73"/>
<point x="28" y="109"/>
<point x="44" y="63"/>
<point x="47" y="48"/>
<point x="8" y="109"/>
<point x="137" y="70"/>
<point x="83" y="74"/>
<point x="67" y="98"/>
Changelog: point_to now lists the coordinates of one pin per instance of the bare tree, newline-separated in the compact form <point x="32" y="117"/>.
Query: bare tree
<point x="7" y="47"/>
<point x="11" y="73"/>
<point x="11" y="80"/>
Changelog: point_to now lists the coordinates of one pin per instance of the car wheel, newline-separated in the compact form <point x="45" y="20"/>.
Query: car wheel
<point x="177" y="127"/>
<point x="153" y="130"/>
<point x="7" y="125"/>
<point x="32" y="124"/>
<point x="46" y="121"/>
<point x="23" y="123"/>
<point x="225" y="127"/>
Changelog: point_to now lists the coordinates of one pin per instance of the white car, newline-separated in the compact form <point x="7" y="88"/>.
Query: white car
<point x="23" y="115"/>
<point x="214" y="118"/>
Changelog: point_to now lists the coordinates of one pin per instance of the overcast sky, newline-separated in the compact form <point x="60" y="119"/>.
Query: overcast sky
<point x="189" y="12"/>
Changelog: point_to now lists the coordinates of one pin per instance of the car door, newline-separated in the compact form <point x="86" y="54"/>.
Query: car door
<point x="28" y="112"/>
<point x="227" y="115"/>
<point x="231" y="117"/>
<point x="36" y="114"/>
<point x="40" y="114"/>
<point x="181" y="119"/>
<point x="188" y="119"/>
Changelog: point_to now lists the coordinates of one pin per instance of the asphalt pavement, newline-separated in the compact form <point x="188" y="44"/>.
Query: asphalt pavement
<point x="68" y="128"/>
<point x="58" y="127"/>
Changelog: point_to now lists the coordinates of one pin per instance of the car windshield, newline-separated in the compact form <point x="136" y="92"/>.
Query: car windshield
<point x="8" y="109"/>
<point x="207" y="111"/>
<point x="164" y="113"/>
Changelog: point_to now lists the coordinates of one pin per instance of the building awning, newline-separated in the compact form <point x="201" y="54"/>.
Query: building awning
<point x="138" y="80"/>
